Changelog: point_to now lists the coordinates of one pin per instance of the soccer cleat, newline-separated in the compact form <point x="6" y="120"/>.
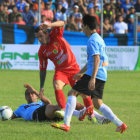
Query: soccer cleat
<point x="87" y="111"/>
<point x="121" y="128"/>
<point x="104" y="121"/>
<point x="93" y="120"/>
<point x="59" y="114"/>
<point x="61" y="126"/>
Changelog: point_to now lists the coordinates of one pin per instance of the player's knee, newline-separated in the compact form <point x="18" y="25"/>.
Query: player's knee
<point x="58" y="85"/>
<point x="72" y="93"/>
<point x="49" y="112"/>
<point x="97" y="103"/>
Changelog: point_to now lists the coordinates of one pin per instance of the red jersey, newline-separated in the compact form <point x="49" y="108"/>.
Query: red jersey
<point x="58" y="51"/>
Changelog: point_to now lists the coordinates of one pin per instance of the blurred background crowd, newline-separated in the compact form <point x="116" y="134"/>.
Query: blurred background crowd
<point x="118" y="14"/>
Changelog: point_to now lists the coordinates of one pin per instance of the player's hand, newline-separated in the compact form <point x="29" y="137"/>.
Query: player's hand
<point x="91" y="85"/>
<point x="77" y="76"/>
<point x="44" y="26"/>
<point x="30" y="88"/>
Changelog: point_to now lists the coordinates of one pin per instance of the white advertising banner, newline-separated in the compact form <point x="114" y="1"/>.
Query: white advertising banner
<point x="119" y="57"/>
<point x="26" y="57"/>
<point x="122" y="58"/>
<point x="23" y="57"/>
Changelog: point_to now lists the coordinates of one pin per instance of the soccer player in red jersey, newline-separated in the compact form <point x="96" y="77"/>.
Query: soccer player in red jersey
<point x="57" y="49"/>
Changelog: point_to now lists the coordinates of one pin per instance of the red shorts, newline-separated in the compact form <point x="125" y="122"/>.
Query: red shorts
<point x="66" y="76"/>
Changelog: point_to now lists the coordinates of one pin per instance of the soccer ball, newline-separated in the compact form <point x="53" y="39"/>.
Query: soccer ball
<point x="5" y="113"/>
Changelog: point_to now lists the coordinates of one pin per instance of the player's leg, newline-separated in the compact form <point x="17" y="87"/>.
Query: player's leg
<point x="70" y="107"/>
<point x="104" y="109"/>
<point x="50" y="111"/>
<point x="60" y="97"/>
<point x="82" y="87"/>
<point x="86" y="99"/>
<point x="108" y="113"/>
<point x="58" y="86"/>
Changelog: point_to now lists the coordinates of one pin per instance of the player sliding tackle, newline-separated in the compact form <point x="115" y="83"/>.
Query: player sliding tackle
<point x="93" y="81"/>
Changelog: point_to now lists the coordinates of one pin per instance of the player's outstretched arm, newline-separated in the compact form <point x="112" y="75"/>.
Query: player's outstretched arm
<point x="51" y="25"/>
<point x="57" y="24"/>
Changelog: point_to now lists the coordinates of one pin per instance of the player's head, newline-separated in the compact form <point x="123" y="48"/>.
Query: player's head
<point x="41" y="35"/>
<point x="30" y="97"/>
<point x="89" y="24"/>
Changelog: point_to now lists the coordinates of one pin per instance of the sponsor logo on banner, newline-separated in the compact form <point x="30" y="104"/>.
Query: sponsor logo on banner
<point x="4" y="64"/>
<point x="17" y="57"/>
<point x="25" y="57"/>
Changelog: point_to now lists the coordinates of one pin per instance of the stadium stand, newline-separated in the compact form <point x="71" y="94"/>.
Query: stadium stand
<point x="25" y="13"/>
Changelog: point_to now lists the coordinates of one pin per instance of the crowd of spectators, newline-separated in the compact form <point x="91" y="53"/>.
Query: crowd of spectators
<point x="118" y="14"/>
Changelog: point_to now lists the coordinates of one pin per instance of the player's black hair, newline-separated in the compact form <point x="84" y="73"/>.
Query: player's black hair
<point x="90" y="21"/>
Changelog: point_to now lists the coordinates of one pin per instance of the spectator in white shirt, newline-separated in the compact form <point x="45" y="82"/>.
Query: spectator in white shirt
<point x="120" y="27"/>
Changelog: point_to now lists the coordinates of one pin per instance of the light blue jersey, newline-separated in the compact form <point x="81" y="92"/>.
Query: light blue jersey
<point x="26" y="110"/>
<point x="95" y="46"/>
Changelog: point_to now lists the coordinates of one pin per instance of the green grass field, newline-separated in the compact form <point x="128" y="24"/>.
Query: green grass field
<point x="122" y="94"/>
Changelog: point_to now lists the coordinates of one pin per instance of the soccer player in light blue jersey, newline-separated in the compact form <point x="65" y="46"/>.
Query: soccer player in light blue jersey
<point x="91" y="79"/>
<point x="36" y="110"/>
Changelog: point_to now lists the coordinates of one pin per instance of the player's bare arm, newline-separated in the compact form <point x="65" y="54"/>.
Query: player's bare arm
<point x="57" y="24"/>
<point x="51" y="25"/>
<point x="80" y="73"/>
<point x="43" y="98"/>
<point x="94" y="73"/>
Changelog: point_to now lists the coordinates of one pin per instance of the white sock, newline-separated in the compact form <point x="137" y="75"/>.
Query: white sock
<point x="77" y="112"/>
<point x="110" y="115"/>
<point x="98" y="116"/>
<point x="70" y="107"/>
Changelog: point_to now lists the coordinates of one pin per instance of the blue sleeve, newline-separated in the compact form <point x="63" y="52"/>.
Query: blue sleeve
<point x="41" y="103"/>
<point x="17" y="113"/>
<point x="93" y="48"/>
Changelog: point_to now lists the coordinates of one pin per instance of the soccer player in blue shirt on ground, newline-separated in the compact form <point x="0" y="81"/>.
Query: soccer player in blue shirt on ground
<point x="43" y="110"/>
<point x="36" y="110"/>
<point x="92" y="81"/>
